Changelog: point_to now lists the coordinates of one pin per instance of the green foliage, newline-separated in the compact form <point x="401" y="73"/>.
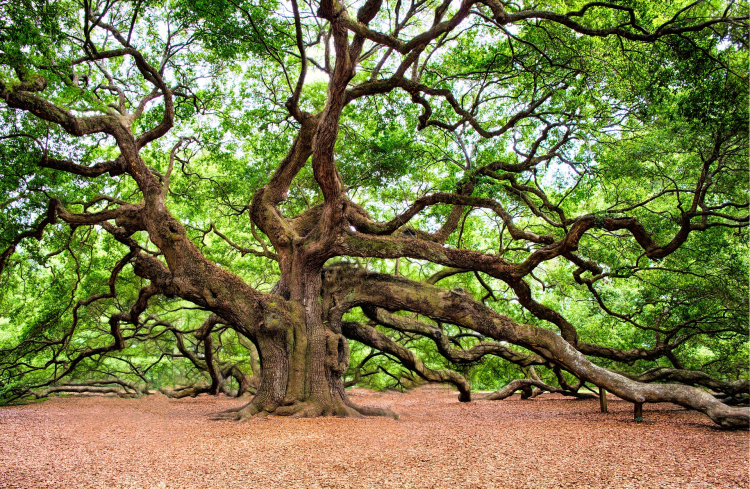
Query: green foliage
<point x="632" y="124"/>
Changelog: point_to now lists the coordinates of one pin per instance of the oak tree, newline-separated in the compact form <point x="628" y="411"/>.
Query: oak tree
<point x="560" y="185"/>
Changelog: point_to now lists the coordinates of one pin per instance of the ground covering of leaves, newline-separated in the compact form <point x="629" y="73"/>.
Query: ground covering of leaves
<point x="547" y="442"/>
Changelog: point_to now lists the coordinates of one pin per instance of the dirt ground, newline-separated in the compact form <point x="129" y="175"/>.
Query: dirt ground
<point x="547" y="442"/>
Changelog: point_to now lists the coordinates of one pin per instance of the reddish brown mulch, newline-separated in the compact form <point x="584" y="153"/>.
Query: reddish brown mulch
<point x="546" y="442"/>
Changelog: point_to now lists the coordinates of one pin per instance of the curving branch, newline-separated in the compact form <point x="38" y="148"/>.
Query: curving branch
<point x="375" y="339"/>
<point x="364" y="225"/>
<point x="692" y="377"/>
<point x="356" y="288"/>
<point x="525" y="386"/>
<point x="444" y="342"/>
<point x="635" y="33"/>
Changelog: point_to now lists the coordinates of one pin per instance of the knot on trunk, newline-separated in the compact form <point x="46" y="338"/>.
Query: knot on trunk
<point x="337" y="353"/>
<point x="131" y="219"/>
<point x="272" y="323"/>
<point x="170" y="229"/>
<point x="211" y="296"/>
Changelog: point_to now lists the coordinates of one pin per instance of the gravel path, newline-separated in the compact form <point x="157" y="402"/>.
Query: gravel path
<point x="438" y="442"/>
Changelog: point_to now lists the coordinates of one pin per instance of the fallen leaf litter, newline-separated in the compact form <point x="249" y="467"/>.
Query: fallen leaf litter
<point x="546" y="442"/>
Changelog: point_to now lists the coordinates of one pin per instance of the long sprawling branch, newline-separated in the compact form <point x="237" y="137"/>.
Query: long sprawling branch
<point x="360" y="288"/>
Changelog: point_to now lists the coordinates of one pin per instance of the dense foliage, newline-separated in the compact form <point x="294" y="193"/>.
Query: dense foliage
<point x="219" y="195"/>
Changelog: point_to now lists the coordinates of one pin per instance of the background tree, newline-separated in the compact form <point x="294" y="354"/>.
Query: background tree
<point x="560" y="187"/>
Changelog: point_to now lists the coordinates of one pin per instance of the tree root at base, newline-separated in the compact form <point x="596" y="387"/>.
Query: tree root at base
<point x="302" y="409"/>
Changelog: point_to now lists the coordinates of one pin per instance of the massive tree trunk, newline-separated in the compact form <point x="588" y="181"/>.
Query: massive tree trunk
<point x="303" y="356"/>
<point x="298" y="327"/>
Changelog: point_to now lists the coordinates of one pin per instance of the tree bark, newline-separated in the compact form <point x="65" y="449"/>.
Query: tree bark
<point x="303" y="358"/>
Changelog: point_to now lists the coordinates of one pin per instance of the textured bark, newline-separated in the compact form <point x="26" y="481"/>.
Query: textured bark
<point x="79" y="389"/>
<point x="375" y="339"/>
<point x="356" y="287"/>
<point x="125" y="389"/>
<point x="525" y="385"/>
<point x="298" y="328"/>
<point x="692" y="377"/>
<point x="192" y="390"/>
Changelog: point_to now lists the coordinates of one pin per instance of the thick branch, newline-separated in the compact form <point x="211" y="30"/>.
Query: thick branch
<point x="375" y="339"/>
<point x="361" y="288"/>
<point x="524" y="384"/>
<point x="443" y="342"/>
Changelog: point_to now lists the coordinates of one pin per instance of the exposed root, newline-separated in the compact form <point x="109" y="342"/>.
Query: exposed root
<point x="222" y="416"/>
<point x="253" y="410"/>
<point x="192" y="390"/>
<point x="301" y="409"/>
<point x="228" y="414"/>
<point x="372" y="411"/>
<point x="310" y="409"/>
